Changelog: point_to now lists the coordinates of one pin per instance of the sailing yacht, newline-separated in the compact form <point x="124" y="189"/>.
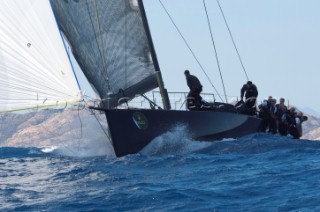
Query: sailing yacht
<point x="112" y="43"/>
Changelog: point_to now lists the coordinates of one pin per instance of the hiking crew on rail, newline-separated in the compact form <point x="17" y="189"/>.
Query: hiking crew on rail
<point x="276" y="118"/>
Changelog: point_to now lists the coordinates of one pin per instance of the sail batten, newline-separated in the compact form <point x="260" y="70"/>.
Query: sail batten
<point x="109" y="42"/>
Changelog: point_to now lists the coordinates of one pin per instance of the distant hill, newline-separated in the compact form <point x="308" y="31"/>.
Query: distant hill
<point x="77" y="132"/>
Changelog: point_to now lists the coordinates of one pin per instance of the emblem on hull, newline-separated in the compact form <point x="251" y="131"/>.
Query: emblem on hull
<point x="140" y="120"/>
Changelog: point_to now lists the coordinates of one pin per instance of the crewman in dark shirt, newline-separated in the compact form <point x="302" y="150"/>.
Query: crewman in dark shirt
<point x="195" y="90"/>
<point x="250" y="91"/>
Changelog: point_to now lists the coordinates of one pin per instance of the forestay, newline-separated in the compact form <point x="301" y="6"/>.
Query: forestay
<point x="35" y="70"/>
<point x="109" y="42"/>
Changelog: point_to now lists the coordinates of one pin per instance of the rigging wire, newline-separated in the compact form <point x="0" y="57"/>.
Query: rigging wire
<point x="81" y="126"/>
<point x="215" y="50"/>
<point x="79" y="139"/>
<point x="58" y="138"/>
<point x="101" y="126"/>
<point x="94" y="114"/>
<point x="187" y="44"/>
<point x="104" y="131"/>
<point x="234" y="44"/>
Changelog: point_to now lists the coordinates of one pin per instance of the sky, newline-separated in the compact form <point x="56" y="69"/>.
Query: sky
<point x="279" y="42"/>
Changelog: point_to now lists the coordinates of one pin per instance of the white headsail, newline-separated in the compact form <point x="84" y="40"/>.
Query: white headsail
<point x="35" y="70"/>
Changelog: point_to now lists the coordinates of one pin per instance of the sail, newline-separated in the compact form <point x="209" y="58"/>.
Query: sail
<point x="35" y="70"/>
<point x="110" y="43"/>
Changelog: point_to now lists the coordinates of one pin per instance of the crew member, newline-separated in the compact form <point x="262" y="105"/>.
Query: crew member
<point x="281" y="109"/>
<point x="195" y="90"/>
<point x="250" y="91"/>
<point x="273" y="110"/>
<point x="296" y="128"/>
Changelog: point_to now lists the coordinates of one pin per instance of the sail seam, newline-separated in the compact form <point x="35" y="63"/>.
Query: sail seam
<point x="102" y="44"/>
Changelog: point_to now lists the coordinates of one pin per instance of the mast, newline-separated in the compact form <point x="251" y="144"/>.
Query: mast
<point x="163" y="91"/>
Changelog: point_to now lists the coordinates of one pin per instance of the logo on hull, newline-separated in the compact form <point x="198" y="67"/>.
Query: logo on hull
<point x="140" y="120"/>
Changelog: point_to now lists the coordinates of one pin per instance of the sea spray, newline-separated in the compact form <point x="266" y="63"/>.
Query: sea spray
<point x="176" y="141"/>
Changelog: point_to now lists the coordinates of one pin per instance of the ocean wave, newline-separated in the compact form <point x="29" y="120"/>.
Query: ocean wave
<point x="76" y="150"/>
<point x="20" y="152"/>
<point x="177" y="142"/>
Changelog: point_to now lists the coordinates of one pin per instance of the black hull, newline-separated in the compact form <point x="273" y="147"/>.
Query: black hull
<point x="132" y="130"/>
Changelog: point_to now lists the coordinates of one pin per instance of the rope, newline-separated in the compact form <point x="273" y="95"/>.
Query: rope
<point x="106" y="133"/>
<point x="193" y="54"/>
<point x="38" y="107"/>
<point x="234" y="44"/>
<point x="81" y="134"/>
<point x="215" y="50"/>
<point x="92" y="112"/>
<point x="60" y="141"/>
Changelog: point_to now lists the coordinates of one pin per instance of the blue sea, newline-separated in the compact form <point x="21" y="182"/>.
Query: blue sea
<point x="259" y="172"/>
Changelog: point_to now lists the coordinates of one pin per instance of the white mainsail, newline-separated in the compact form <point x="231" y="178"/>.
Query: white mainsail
<point x="35" y="70"/>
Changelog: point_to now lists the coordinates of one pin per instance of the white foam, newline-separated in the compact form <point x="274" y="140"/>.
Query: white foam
<point x="229" y="139"/>
<point x="176" y="141"/>
<point x="49" y="149"/>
